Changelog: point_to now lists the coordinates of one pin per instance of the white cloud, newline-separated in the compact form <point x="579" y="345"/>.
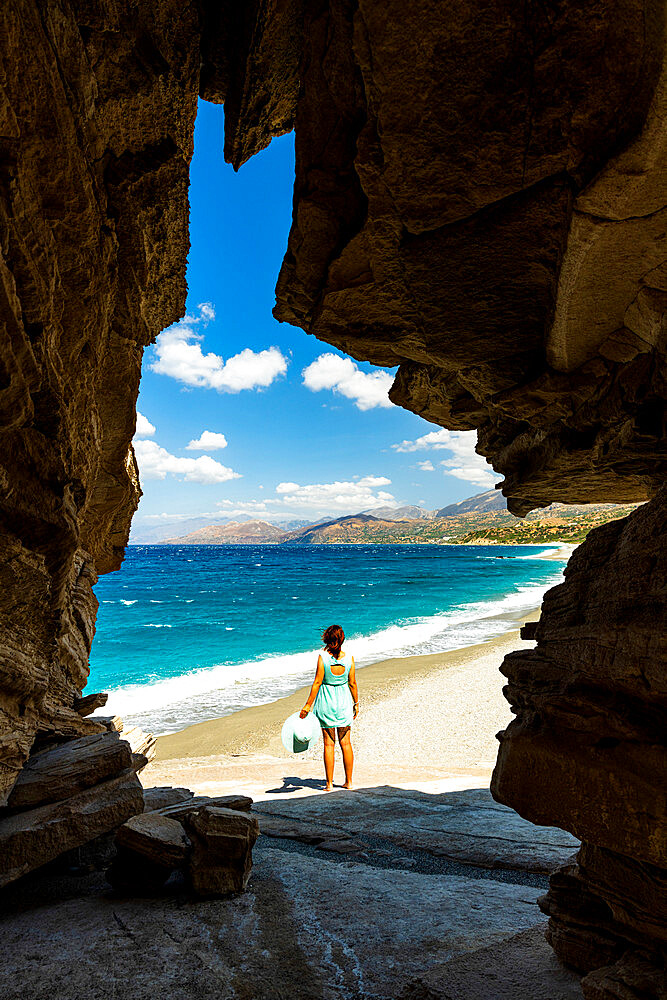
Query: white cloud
<point x="464" y="462"/>
<point x="367" y="389"/>
<point x="210" y="440"/>
<point x="144" y="427"/>
<point x="426" y="466"/>
<point x="178" y="354"/>
<point x="349" y="496"/>
<point x="434" y="439"/>
<point x="156" y="462"/>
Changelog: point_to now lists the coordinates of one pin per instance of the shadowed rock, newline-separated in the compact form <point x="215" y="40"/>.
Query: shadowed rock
<point x="221" y="857"/>
<point x="64" y="770"/>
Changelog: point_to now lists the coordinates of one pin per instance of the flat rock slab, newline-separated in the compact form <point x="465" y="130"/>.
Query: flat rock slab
<point x="468" y="826"/>
<point x="68" y="768"/>
<point x="163" y="796"/>
<point x="30" y="839"/>
<point x="522" y="967"/>
<point x="307" y="928"/>
<point x="292" y="829"/>
<point x="180" y="810"/>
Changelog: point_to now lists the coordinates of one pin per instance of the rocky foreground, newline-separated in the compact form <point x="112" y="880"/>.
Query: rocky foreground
<point x="381" y="893"/>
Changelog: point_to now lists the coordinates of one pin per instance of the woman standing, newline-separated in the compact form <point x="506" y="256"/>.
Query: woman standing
<point x="334" y="698"/>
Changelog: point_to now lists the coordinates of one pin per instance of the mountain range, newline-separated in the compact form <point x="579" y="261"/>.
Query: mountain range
<point x="481" y="519"/>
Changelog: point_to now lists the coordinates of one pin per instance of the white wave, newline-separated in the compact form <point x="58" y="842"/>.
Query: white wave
<point x="127" y="603"/>
<point x="171" y="703"/>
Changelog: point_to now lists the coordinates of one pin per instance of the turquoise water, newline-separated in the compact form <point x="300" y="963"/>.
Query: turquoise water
<point x="188" y="633"/>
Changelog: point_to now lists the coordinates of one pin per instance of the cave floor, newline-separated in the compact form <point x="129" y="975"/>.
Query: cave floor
<point x="372" y="894"/>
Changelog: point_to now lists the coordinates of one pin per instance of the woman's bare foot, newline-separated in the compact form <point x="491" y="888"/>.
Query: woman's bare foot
<point x="328" y="788"/>
<point x="348" y="784"/>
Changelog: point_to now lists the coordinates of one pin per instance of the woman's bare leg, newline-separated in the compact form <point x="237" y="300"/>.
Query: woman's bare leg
<point x="329" y="736"/>
<point x="348" y="754"/>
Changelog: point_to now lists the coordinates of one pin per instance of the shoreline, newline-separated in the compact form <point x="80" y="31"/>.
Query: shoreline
<point x="256" y="730"/>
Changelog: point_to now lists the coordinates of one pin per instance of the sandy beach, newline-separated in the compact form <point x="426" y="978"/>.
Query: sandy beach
<point x="422" y="718"/>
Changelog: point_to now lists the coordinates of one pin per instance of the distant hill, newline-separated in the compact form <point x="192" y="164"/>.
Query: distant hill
<point x="407" y="513"/>
<point x="478" y="520"/>
<point x="233" y="533"/>
<point x="344" y="530"/>
<point x="481" y="502"/>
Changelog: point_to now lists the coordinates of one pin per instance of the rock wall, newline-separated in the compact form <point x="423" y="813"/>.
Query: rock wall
<point x="98" y="104"/>
<point x="587" y="750"/>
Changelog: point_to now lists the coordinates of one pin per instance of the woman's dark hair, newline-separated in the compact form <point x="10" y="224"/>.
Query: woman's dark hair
<point x="333" y="639"/>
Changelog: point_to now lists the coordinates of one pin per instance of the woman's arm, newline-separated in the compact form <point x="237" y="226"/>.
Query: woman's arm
<point x="352" y="681"/>
<point x="317" y="684"/>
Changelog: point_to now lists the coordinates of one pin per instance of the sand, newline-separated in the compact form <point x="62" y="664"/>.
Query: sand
<point x="421" y="718"/>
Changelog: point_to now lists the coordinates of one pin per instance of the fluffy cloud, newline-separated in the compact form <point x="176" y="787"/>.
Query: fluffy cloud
<point x="178" y="354"/>
<point x="156" y="462"/>
<point x="434" y="439"/>
<point x="208" y="440"/>
<point x="367" y="389"/>
<point x="464" y="462"/>
<point x="426" y="466"/>
<point x="144" y="427"/>
<point x="349" y="496"/>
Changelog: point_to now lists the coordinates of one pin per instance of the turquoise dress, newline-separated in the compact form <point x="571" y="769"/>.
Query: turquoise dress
<point x="333" y="705"/>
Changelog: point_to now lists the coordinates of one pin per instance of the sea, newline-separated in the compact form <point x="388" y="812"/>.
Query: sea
<point x="189" y="633"/>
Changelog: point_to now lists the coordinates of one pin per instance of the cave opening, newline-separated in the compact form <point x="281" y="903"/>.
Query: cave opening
<point x="479" y="203"/>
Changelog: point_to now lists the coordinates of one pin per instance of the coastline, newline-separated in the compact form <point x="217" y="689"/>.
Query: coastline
<point x="256" y="730"/>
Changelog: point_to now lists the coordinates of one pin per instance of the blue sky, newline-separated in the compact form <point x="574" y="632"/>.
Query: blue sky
<point x="279" y="443"/>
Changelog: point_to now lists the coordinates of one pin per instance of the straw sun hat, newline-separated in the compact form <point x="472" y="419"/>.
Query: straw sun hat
<point x="300" y="734"/>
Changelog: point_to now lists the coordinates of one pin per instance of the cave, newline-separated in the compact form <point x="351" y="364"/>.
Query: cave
<point x="480" y="199"/>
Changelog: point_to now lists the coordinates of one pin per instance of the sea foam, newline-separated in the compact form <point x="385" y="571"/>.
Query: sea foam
<point x="170" y="703"/>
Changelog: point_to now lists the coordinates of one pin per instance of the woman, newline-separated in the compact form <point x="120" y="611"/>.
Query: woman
<point x="335" y="700"/>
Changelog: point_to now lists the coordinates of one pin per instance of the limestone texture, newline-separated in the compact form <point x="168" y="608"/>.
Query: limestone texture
<point x="31" y="838"/>
<point x="98" y="106"/>
<point x="591" y="703"/>
<point x="221" y="858"/>
<point x="68" y="768"/>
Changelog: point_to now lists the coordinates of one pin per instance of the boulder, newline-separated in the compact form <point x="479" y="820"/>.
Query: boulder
<point x="221" y="856"/>
<point x="63" y="770"/>
<point x="163" y="796"/>
<point x="31" y="838"/>
<point x="155" y="837"/>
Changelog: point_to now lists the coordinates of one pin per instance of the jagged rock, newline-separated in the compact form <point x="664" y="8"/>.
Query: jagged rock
<point x="64" y="770"/>
<point x="112" y="723"/>
<point x="221" y="857"/>
<point x="180" y="810"/>
<point x="632" y="978"/>
<point x="161" y="797"/>
<point x="90" y="703"/>
<point x="590" y="704"/>
<point x="99" y="105"/>
<point x="141" y="742"/>
<point x="157" y="838"/>
<point x="31" y="838"/>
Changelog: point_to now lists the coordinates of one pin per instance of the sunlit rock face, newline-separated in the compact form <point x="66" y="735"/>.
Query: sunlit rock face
<point x="480" y="198"/>
<point x="98" y="105"/>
